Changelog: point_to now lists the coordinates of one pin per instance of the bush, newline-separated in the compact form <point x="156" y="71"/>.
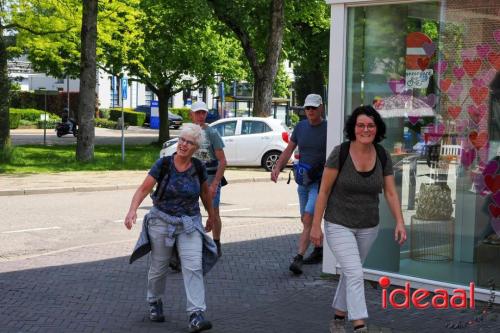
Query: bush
<point x="105" y="123"/>
<point x="50" y="124"/>
<point x="14" y="119"/>
<point x="32" y="114"/>
<point x="131" y="117"/>
<point x="104" y="113"/>
<point x="294" y="119"/>
<point x="183" y="112"/>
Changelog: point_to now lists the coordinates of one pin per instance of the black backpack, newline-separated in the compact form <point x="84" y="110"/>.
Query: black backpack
<point x="165" y="173"/>
<point x="344" y="153"/>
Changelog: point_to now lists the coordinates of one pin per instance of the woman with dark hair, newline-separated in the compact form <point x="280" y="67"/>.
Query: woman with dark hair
<point x="360" y="169"/>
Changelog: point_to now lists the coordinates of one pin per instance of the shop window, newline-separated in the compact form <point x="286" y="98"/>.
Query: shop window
<point x="431" y="70"/>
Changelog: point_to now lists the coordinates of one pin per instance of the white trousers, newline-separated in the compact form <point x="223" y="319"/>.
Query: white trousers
<point x="190" y="253"/>
<point x="350" y="247"/>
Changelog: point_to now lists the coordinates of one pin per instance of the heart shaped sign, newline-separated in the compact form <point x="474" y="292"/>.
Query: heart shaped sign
<point x="413" y="119"/>
<point x="494" y="210"/>
<point x="459" y="72"/>
<point x="429" y="100"/>
<point x="478" y="94"/>
<point x="423" y="63"/>
<point x="492" y="182"/>
<point x="397" y="86"/>
<point x="472" y="66"/>
<point x="429" y="48"/>
<point x="445" y="84"/>
<point x="483" y="50"/>
<point x="454" y="111"/>
<point x="478" y="140"/>
<point x="477" y="113"/>
<point x="455" y="91"/>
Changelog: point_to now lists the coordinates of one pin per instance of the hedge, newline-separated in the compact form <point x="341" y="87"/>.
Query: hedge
<point x="49" y="124"/>
<point x="131" y="117"/>
<point x="55" y="103"/>
<point x="183" y="112"/>
<point x="105" y="123"/>
<point x="14" y="119"/>
<point x="32" y="114"/>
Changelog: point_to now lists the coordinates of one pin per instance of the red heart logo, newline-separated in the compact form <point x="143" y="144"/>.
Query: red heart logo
<point x="494" y="59"/>
<point x="445" y="84"/>
<point x="478" y="94"/>
<point x="472" y="66"/>
<point x="492" y="182"/>
<point x="454" y="111"/>
<point x="494" y="210"/>
<point x="478" y="140"/>
<point x="423" y="63"/>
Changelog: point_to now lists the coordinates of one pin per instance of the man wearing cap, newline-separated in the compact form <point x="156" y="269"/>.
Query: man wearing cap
<point x="310" y="136"/>
<point x="211" y="153"/>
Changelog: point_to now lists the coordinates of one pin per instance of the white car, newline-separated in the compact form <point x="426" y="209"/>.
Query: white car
<point x="249" y="141"/>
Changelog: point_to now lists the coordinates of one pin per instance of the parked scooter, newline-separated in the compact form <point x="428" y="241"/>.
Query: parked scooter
<point x="66" y="126"/>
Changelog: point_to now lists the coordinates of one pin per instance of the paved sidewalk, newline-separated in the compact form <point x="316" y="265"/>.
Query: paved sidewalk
<point x="85" y="181"/>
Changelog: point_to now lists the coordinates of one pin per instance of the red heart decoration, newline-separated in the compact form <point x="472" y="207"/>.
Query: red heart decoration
<point x="477" y="113"/>
<point x="494" y="210"/>
<point x="478" y="140"/>
<point x="445" y="84"/>
<point x="492" y="182"/>
<point x="472" y="66"/>
<point x="478" y="94"/>
<point x="423" y="63"/>
<point x="454" y="111"/>
<point x="494" y="59"/>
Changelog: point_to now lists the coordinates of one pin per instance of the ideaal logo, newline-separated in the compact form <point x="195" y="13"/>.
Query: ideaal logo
<point x="419" y="298"/>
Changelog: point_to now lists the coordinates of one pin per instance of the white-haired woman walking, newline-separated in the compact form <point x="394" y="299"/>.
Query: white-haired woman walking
<point x="175" y="218"/>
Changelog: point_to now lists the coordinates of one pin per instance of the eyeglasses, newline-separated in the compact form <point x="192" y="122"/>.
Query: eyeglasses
<point x="369" y="127"/>
<point x="186" y="141"/>
<point x="311" y="108"/>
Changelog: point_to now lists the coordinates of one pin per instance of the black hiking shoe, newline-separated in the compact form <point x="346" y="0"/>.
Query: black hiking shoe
<point x="198" y="323"/>
<point x="156" y="311"/>
<point x="296" y="265"/>
<point x="316" y="257"/>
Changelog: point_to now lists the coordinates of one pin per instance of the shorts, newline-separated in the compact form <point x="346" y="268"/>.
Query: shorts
<point x="216" y="198"/>
<point x="307" y="197"/>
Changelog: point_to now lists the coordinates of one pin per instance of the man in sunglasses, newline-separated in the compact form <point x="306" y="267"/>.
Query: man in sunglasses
<point x="211" y="153"/>
<point x="310" y="137"/>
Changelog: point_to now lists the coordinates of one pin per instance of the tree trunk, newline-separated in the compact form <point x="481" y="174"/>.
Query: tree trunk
<point x="4" y="101"/>
<point x="263" y="96"/>
<point x="86" y="105"/>
<point x="164" y="94"/>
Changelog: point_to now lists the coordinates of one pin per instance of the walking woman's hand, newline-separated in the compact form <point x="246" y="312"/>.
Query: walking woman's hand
<point x="400" y="233"/>
<point x="210" y="224"/>
<point x="130" y="219"/>
<point x="316" y="235"/>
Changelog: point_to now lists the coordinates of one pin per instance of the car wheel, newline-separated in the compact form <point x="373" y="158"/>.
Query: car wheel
<point x="270" y="159"/>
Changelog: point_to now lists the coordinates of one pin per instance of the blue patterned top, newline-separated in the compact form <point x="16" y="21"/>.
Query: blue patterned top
<point x="182" y="190"/>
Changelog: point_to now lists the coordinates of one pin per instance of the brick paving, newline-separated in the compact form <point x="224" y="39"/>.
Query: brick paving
<point x="94" y="289"/>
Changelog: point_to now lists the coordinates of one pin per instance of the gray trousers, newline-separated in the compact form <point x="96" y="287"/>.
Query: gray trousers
<point x="190" y="253"/>
<point x="350" y="247"/>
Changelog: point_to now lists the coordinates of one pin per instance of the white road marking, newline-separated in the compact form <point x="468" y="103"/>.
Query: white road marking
<point x="293" y="204"/>
<point x="27" y="230"/>
<point x="234" y="210"/>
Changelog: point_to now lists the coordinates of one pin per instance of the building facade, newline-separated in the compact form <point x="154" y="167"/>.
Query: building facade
<point x="432" y="70"/>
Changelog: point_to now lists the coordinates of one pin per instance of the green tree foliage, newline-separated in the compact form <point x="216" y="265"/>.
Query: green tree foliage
<point x="306" y="45"/>
<point x="259" y="26"/>
<point x="180" y="47"/>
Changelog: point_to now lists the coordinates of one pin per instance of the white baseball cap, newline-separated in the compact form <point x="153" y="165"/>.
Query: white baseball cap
<point x="313" y="100"/>
<point x="199" y="106"/>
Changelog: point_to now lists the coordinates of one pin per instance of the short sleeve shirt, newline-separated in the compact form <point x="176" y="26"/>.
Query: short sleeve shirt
<point x="311" y="141"/>
<point x="354" y="199"/>
<point x="182" y="190"/>
<point x="206" y="153"/>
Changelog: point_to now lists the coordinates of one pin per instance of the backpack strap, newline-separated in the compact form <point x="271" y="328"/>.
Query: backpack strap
<point x="164" y="173"/>
<point x="198" y="165"/>
<point x="382" y="155"/>
<point x="344" y="153"/>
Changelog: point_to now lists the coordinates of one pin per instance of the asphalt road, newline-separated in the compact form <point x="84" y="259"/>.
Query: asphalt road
<point x="133" y="134"/>
<point x="38" y="224"/>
